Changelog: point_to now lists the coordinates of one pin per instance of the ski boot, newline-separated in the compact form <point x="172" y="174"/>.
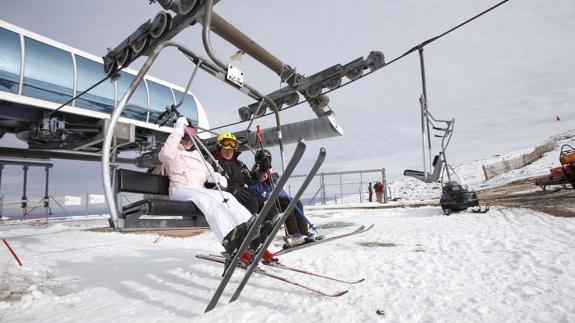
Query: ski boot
<point x="294" y="240"/>
<point x="311" y="237"/>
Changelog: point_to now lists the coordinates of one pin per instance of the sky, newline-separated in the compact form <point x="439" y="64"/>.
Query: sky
<point x="504" y="77"/>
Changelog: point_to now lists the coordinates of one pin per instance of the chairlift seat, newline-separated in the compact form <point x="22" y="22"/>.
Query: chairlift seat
<point x="155" y="212"/>
<point x="420" y="175"/>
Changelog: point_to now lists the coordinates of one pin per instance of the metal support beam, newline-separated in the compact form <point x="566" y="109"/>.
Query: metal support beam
<point x="361" y="187"/>
<point x="322" y="188"/>
<point x="384" y="182"/>
<point x="425" y="135"/>
<point x="345" y="173"/>
<point x="237" y="38"/>
<point x="24" y="197"/>
<point x="25" y="166"/>
<point x="341" y="188"/>
<point x="46" y="197"/>
<point x="1" y="196"/>
<point x="48" y="154"/>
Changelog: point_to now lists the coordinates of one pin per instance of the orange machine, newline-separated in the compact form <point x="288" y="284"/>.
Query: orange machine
<point x="562" y="175"/>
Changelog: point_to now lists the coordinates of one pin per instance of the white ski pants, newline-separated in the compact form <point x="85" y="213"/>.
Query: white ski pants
<point x="221" y="216"/>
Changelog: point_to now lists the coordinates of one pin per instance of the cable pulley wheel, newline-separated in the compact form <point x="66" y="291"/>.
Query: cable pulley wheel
<point x="123" y="59"/>
<point x="140" y="44"/>
<point x="160" y="24"/>
<point x="333" y="83"/>
<point x="354" y="74"/>
<point x="291" y="99"/>
<point x="186" y="6"/>
<point x="313" y="91"/>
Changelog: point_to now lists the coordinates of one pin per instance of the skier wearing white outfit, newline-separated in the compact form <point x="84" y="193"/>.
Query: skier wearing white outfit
<point x="188" y="172"/>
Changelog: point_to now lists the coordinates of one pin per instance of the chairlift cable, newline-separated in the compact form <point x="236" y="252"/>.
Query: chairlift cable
<point x="415" y="48"/>
<point x="83" y="92"/>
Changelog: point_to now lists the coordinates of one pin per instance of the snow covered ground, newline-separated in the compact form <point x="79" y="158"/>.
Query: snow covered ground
<point x="509" y="265"/>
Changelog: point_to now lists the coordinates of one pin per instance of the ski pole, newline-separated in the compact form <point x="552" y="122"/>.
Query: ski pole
<point x="201" y="144"/>
<point x="259" y="138"/>
<point x="195" y="140"/>
<point x="216" y="162"/>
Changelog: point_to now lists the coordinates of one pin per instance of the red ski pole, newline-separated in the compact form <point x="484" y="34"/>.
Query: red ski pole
<point x="12" y="251"/>
<point x="259" y="135"/>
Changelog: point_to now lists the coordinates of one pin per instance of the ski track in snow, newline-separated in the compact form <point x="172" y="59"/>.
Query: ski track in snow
<point x="506" y="265"/>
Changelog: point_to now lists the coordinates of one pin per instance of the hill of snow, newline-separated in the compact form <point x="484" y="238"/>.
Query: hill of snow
<point x="409" y="189"/>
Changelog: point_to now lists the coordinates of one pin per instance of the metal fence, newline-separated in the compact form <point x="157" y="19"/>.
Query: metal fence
<point x="38" y="206"/>
<point x="503" y="166"/>
<point x="34" y="204"/>
<point x="340" y="187"/>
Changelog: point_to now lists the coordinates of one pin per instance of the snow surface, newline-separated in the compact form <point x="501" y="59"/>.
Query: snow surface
<point x="509" y="265"/>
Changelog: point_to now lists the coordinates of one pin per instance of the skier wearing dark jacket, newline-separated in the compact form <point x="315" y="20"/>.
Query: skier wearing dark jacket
<point x="239" y="177"/>
<point x="237" y="173"/>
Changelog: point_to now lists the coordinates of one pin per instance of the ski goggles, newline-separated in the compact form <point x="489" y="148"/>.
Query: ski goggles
<point x="229" y="143"/>
<point x="187" y="141"/>
<point x="189" y="133"/>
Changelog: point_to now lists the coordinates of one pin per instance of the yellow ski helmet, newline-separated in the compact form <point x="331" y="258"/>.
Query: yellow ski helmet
<point x="227" y="140"/>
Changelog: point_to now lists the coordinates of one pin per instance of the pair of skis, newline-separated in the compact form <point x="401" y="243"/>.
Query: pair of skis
<point x="361" y="229"/>
<point x="260" y="271"/>
<point x="254" y="229"/>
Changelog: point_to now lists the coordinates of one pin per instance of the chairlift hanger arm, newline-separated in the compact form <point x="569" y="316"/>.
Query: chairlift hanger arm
<point x="246" y="89"/>
<point x="123" y="102"/>
<point x="208" y="6"/>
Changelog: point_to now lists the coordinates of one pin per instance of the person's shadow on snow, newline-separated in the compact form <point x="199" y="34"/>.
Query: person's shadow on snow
<point x="170" y="279"/>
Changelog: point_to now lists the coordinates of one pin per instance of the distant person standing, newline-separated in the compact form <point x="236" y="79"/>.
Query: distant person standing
<point x="379" y="192"/>
<point x="370" y="192"/>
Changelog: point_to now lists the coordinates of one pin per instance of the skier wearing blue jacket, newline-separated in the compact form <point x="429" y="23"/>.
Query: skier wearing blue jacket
<point x="264" y="179"/>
